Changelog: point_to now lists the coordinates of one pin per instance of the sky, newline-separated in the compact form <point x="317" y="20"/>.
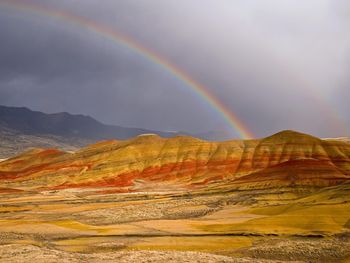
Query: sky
<point x="275" y="64"/>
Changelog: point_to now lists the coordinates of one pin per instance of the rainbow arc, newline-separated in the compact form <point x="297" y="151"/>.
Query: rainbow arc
<point x="107" y="32"/>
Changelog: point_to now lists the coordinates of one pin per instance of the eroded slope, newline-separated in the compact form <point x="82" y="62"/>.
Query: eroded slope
<point x="150" y="162"/>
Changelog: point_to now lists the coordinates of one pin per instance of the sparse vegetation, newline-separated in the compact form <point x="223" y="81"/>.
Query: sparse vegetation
<point x="153" y="200"/>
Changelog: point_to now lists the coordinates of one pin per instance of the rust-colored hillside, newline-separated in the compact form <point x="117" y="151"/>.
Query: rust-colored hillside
<point x="152" y="163"/>
<point x="179" y="199"/>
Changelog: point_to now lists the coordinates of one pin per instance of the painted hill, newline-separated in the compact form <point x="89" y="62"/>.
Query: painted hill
<point x="153" y="163"/>
<point x="277" y="199"/>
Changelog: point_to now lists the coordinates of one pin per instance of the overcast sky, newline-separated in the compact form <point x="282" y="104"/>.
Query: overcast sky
<point x="277" y="64"/>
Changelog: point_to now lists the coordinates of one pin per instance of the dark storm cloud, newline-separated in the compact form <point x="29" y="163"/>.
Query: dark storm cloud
<point x="54" y="67"/>
<point x="264" y="60"/>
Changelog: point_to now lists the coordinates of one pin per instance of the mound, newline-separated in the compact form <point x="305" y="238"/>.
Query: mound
<point x="150" y="162"/>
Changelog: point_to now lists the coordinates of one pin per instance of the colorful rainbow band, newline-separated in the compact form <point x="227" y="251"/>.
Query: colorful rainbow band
<point x="230" y="118"/>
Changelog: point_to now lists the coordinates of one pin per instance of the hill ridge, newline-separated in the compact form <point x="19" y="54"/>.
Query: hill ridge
<point x="185" y="161"/>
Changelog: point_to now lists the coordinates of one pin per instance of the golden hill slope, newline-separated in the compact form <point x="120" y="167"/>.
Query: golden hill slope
<point x="150" y="162"/>
<point x="284" y="197"/>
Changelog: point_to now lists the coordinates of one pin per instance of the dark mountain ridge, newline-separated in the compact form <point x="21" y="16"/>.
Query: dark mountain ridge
<point x="22" y="128"/>
<point x="26" y="121"/>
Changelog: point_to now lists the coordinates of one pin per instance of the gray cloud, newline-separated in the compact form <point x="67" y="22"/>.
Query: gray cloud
<point x="276" y="64"/>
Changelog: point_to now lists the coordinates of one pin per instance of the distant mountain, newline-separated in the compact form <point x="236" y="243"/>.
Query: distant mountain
<point x="22" y="128"/>
<point x="64" y="124"/>
<point x="13" y="142"/>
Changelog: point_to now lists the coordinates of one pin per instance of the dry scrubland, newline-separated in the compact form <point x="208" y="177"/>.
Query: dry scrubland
<point x="120" y="202"/>
<point x="243" y="226"/>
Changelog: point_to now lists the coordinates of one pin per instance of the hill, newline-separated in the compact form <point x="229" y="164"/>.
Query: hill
<point x="276" y="199"/>
<point x="182" y="162"/>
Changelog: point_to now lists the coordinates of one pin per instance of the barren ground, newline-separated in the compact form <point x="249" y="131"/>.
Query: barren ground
<point x="218" y="226"/>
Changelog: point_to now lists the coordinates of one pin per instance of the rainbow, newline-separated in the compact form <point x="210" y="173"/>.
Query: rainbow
<point x="230" y="118"/>
<point x="337" y="120"/>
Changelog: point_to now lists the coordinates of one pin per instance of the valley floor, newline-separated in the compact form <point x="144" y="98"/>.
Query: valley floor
<point x="80" y="225"/>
